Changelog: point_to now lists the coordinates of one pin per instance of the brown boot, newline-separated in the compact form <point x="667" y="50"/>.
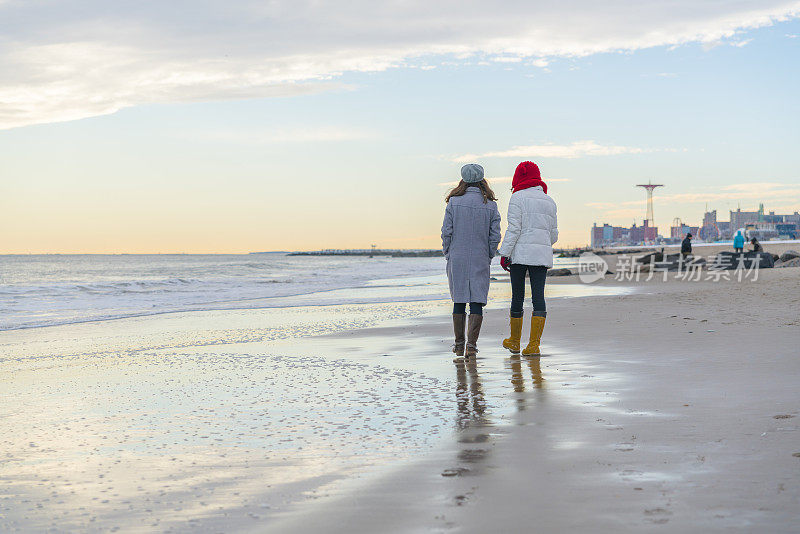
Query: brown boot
<point x="459" y="322"/>
<point x="473" y="331"/>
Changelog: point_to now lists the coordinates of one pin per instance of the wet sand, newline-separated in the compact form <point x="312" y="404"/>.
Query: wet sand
<point x="200" y="420"/>
<point x="673" y="407"/>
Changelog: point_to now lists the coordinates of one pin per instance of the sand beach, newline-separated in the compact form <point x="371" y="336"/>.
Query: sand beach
<point x="355" y="417"/>
<point x="689" y="428"/>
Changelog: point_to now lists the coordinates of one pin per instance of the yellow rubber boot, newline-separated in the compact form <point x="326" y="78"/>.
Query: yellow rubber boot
<point x="512" y="343"/>
<point x="537" y="327"/>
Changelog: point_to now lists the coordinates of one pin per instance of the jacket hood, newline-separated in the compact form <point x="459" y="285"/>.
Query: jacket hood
<point x="527" y="175"/>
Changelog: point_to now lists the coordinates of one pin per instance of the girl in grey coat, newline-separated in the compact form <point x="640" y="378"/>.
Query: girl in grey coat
<point x="470" y="235"/>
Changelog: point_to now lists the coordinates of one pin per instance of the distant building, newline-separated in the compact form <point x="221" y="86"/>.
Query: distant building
<point x="643" y="234"/>
<point x="603" y="236"/>
<point x="771" y="217"/>
<point x="788" y="230"/>
<point x="756" y="224"/>
<point x="725" y="231"/>
<point x="710" y="230"/>
<point x="760" y="225"/>
<point x="740" y="219"/>
<point x="679" y="232"/>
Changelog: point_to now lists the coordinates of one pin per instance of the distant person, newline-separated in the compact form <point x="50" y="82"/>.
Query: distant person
<point x="686" y="246"/>
<point x="756" y="245"/>
<point x="470" y="235"/>
<point x="528" y="249"/>
<point x="738" y="242"/>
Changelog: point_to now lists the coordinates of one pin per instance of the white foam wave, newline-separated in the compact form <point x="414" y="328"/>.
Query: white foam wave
<point x="50" y="290"/>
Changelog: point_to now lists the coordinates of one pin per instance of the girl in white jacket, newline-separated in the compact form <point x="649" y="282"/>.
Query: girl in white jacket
<point x="528" y="248"/>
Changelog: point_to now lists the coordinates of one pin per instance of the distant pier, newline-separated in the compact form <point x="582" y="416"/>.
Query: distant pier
<point x="393" y="253"/>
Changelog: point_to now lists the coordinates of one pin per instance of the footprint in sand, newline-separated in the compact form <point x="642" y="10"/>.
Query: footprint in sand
<point x="657" y="515"/>
<point x="455" y="472"/>
<point x="472" y="455"/>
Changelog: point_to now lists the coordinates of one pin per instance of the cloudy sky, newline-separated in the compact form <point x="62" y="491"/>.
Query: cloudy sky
<point x="236" y="126"/>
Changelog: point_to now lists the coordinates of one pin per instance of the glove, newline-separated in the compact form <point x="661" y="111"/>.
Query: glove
<point x="505" y="263"/>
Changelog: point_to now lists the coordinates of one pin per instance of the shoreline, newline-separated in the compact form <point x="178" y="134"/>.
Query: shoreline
<point x="88" y="363"/>
<point x="476" y="449"/>
<point x="78" y="301"/>
<point x="42" y="302"/>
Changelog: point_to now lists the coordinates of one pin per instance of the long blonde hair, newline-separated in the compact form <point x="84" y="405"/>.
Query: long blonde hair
<point x="462" y="186"/>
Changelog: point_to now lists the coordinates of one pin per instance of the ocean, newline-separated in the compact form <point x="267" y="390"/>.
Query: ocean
<point x="48" y="290"/>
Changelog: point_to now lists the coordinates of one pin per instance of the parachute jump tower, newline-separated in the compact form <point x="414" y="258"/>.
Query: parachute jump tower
<point x="649" y="188"/>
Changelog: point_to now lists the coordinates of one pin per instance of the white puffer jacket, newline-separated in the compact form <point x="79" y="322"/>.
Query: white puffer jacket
<point x="532" y="228"/>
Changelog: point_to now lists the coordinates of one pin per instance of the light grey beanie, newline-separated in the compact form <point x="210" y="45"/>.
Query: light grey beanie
<point x="472" y="173"/>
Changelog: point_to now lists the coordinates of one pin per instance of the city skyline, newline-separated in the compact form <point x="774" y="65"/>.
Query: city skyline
<point x="751" y="205"/>
<point x="762" y="223"/>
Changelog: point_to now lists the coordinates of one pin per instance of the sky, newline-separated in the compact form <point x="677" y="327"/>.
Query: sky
<point x="224" y="127"/>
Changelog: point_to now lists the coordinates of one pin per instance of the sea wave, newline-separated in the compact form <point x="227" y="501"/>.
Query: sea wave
<point x="51" y="290"/>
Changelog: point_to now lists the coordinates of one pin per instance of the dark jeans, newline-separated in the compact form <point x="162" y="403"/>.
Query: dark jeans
<point x="538" y="274"/>
<point x="475" y="308"/>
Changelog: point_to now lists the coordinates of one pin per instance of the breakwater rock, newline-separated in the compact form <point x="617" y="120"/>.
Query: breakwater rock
<point x="789" y="255"/>
<point x="795" y="262"/>
<point x="399" y="253"/>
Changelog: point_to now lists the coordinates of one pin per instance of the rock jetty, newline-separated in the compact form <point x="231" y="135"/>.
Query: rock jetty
<point x="398" y="253"/>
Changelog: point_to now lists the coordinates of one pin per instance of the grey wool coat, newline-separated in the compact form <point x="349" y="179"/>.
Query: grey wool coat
<point x="470" y="235"/>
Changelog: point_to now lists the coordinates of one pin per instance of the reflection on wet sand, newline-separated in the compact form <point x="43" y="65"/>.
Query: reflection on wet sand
<point x="473" y="421"/>
<point x="469" y="396"/>
<point x="518" y="380"/>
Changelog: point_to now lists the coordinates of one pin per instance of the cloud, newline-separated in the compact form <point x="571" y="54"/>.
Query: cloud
<point x="576" y="149"/>
<point x="786" y="195"/>
<point x="507" y="59"/>
<point x="752" y="191"/>
<point x="786" y="209"/>
<point x="623" y="213"/>
<point x="710" y="45"/>
<point x="757" y="187"/>
<point x="602" y="205"/>
<point x="311" y="135"/>
<point x="81" y="58"/>
<point x="506" y="179"/>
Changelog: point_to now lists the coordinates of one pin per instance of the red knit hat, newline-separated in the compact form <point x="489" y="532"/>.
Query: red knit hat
<point x="527" y="175"/>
